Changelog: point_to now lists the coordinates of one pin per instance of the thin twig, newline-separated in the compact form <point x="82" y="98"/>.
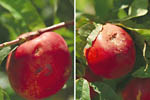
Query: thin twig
<point x="26" y="36"/>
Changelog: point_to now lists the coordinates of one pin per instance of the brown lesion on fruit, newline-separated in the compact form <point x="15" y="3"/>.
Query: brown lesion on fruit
<point x="113" y="36"/>
<point x="138" y="97"/>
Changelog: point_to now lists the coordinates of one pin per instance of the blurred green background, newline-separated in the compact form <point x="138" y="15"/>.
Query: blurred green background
<point x="20" y="16"/>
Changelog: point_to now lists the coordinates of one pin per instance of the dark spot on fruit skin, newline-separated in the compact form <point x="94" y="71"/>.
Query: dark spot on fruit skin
<point x="113" y="36"/>
<point x="38" y="70"/>
<point x="49" y="68"/>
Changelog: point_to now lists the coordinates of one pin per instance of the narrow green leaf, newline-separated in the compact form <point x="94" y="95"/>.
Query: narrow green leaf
<point x="138" y="8"/>
<point x="83" y="91"/>
<point x="24" y="11"/>
<point x="1" y="95"/>
<point x="4" y="95"/>
<point x="3" y="53"/>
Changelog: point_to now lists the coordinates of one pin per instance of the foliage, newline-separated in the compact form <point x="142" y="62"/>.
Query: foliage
<point x="133" y="16"/>
<point x="20" y="16"/>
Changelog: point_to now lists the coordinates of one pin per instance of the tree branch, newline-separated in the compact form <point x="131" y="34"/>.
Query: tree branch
<point x="29" y="35"/>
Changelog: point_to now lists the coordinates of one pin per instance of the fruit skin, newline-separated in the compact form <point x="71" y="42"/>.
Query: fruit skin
<point x="137" y="89"/>
<point x="90" y="76"/>
<point x="112" y="54"/>
<point x="39" y="67"/>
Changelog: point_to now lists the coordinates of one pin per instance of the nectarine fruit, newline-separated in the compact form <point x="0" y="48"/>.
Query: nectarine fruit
<point x="112" y="54"/>
<point x="39" y="67"/>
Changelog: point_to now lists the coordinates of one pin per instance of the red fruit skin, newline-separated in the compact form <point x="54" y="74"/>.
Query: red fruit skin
<point x="112" y="54"/>
<point x="137" y="89"/>
<point x="39" y="67"/>
<point x="90" y="76"/>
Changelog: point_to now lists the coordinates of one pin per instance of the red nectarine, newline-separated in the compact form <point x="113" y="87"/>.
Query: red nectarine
<point x="39" y="67"/>
<point x="137" y="89"/>
<point x="112" y="54"/>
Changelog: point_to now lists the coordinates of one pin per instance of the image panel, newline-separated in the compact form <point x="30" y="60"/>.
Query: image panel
<point x="36" y="49"/>
<point x="112" y="50"/>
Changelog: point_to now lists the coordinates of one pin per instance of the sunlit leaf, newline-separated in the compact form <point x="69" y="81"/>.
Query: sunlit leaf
<point x="138" y="8"/>
<point x="83" y="91"/>
<point x="93" y="35"/>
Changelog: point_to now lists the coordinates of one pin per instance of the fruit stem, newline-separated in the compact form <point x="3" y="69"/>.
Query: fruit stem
<point x="26" y="36"/>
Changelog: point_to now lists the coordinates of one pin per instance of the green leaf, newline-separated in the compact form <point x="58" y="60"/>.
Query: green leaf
<point x="81" y="20"/>
<point x="86" y="29"/>
<point x="105" y="91"/>
<point x="4" y="95"/>
<point x="122" y="14"/>
<point x="141" y="73"/>
<point x="1" y="95"/>
<point x="83" y="31"/>
<point x="138" y="8"/>
<point x="83" y="91"/>
<point x="80" y="71"/>
<point x="24" y="11"/>
<point x="93" y="35"/>
<point x="81" y="61"/>
<point x="3" y="53"/>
